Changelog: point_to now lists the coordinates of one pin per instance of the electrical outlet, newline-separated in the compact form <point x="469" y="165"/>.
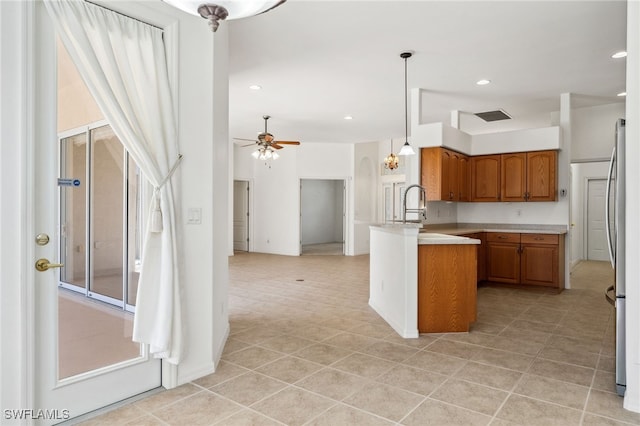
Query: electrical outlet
<point x="518" y="212"/>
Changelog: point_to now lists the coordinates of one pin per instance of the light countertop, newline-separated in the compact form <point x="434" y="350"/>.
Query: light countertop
<point x="436" y="238"/>
<point x="470" y="228"/>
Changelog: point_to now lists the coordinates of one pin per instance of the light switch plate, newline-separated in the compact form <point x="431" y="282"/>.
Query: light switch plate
<point x="194" y="216"/>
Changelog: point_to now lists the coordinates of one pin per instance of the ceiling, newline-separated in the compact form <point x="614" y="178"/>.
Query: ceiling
<point x="318" y="61"/>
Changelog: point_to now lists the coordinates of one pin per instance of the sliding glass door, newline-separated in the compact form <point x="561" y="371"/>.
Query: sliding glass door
<point x="101" y="192"/>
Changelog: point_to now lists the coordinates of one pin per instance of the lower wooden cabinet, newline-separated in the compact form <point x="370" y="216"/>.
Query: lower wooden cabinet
<point x="528" y="259"/>
<point x="542" y="260"/>
<point x="480" y="249"/>
<point x="447" y="287"/>
<point x="503" y="257"/>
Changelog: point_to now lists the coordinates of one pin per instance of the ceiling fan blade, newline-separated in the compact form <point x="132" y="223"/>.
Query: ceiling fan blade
<point x="275" y="145"/>
<point x="288" y="142"/>
<point x="242" y="139"/>
<point x="249" y="144"/>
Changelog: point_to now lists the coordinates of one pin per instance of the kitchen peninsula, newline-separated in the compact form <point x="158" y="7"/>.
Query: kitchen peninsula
<point x="422" y="282"/>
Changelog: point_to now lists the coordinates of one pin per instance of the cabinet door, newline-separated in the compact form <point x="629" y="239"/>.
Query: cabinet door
<point x="503" y="262"/>
<point x="513" y="170"/>
<point x="485" y="178"/>
<point x="431" y="174"/>
<point x="540" y="265"/>
<point x="463" y="178"/>
<point x="542" y="180"/>
<point x="449" y="175"/>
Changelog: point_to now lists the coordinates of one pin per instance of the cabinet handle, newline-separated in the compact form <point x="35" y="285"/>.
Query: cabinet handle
<point x="502" y="237"/>
<point x="539" y="238"/>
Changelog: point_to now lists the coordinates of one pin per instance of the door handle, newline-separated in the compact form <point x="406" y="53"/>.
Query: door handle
<point x="44" y="265"/>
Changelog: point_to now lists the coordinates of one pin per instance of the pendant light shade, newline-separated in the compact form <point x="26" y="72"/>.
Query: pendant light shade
<point x="406" y="148"/>
<point x="224" y="9"/>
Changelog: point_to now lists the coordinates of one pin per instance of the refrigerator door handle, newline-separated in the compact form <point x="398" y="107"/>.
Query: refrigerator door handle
<point x="608" y="294"/>
<point x="606" y="210"/>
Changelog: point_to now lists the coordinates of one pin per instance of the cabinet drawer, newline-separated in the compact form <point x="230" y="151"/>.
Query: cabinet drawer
<point x="503" y="237"/>
<point x="540" y="239"/>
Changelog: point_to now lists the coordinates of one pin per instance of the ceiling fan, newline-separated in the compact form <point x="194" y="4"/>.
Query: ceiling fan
<point x="266" y="143"/>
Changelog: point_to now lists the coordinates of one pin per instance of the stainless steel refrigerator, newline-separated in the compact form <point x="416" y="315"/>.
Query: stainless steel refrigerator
<point x="614" y="215"/>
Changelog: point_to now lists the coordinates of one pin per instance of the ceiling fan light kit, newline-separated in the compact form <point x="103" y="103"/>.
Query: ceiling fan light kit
<point x="406" y="148"/>
<point x="224" y="9"/>
<point x="267" y="146"/>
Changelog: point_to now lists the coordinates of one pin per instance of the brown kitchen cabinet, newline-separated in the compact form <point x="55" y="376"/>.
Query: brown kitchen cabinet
<point x="485" y="178"/>
<point x="503" y="257"/>
<point x="542" y="179"/>
<point x="528" y="176"/>
<point x="542" y="260"/>
<point x="444" y="174"/>
<point x="480" y="248"/>
<point x="447" y="287"/>
<point x="527" y="259"/>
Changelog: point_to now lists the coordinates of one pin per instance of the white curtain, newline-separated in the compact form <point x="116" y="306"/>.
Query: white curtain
<point x="123" y="63"/>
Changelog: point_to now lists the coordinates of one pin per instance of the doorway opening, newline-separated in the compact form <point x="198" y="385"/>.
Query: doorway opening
<point x="596" y="244"/>
<point x="240" y="215"/>
<point x="322" y="216"/>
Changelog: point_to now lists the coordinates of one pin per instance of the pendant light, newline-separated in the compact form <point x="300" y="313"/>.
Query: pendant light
<point x="406" y="148"/>
<point x="391" y="160"/>
<point x="224" y="9"/>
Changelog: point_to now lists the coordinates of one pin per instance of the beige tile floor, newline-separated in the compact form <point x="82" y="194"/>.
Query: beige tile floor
<point x="306" y="349"/>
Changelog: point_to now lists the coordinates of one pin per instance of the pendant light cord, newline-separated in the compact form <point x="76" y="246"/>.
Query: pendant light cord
<point x="406" y="113"/>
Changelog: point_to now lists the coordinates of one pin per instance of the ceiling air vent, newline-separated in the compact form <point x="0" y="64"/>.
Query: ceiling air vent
<point x="496" y="115"/>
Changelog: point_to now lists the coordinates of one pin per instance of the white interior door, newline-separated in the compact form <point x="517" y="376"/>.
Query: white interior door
<point x="596" y="226"/>
<point x="60" y="321"/>
<point x="241" y="215"/>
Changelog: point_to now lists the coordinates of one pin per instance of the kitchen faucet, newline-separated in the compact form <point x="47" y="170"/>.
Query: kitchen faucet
<point x="422" y="211"/>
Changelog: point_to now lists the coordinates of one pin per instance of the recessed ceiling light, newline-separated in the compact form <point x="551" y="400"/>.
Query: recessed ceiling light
<point x="483" y="82"/>
<point x="622" y="94"/>
<point x="255" y="87"/>
<point x="348" y="117"/>
<point x="621" y="54"/>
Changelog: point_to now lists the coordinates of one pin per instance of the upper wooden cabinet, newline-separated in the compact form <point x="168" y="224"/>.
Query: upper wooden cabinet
<point x="522" y="176"/>
<point x="444" y="174"/>
<point x="529" y="176"/>
<point x="485" y="178"/>
<point x="513" y="170"/>
<point x="542" y="179"/>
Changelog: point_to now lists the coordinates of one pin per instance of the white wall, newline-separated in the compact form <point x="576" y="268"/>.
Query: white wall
<point x="365" y="189"/>
<point x="594" y="131"/>
<point x="632" y="397"/>
<point x="275" y="201"/>
<point x="393" y="286"/>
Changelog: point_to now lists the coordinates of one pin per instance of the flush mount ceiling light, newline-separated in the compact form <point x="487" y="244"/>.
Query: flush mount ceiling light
<point x="391" y="160"/>
<point x="406" y="148"/>
<point x="348" y="117"/>
<point x="618" y="55"/>
<point x="255" y="87"/>
<point x="621" y="94"/>
<point x="483" y="82"/>
<point x="224" y="9"/>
